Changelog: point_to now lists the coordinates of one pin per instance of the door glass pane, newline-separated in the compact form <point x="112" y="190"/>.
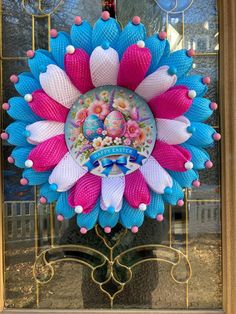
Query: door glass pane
<point x="189" y="237"/>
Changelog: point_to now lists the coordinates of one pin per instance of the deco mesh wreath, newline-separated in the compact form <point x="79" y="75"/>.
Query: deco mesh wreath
<point x="109" y="125"/>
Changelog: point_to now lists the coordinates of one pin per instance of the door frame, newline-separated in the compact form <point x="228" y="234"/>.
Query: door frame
<point x="227" y="92"/>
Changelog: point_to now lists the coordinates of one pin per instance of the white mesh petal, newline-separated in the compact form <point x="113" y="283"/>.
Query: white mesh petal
<point x="112" y="193"/>
<point x="104" y="66"/>
<point x="156" y="83"/>
<point x="58" y="86"/>
<point x="173" y="131"/>
<point x="156" y="177"/>
<point x="66" y="173"/>
<point x="42" y="130"/>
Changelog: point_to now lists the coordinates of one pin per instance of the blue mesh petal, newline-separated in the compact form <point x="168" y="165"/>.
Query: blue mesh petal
<point x="108" y="30"/>
<point x="20" y="110"/>
<point x="185" y="179"/>
<point x="81" y="36"/>
<point x="40" y="59"/>
<point x="200" y="110"/>
<point x="62" y="206"/>
<point x="178" y="60"/>
<point x="194" y="82"/>
<point x="156" y="206"/>
<point x="167" y="49"/>
<point x="199" y="156"/>
<point x="202" y="136"/>
<point x="34" y="177"/>
<point x="89" y="220"/>
<point x="58" y="47"/>
<point x="20" y="155"/>
<point x="26" y="84"/>
<point x="107" y="219"/>
<point x="15" y="131"/>
<point x="130" y="35"/>
<point x="176" y="195"/>
<point x="157" y="48"/>
<point x="130" y="216"/>
<point x="46" y="192"/>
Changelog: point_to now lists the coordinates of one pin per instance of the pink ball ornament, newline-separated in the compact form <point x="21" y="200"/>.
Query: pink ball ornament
<point x="5" y="106"/>
<point x="30" y="53"/>
<point x="134" y="229"/>
<point x="53" y="33"/>
<point x="136" y="20"/>
<point x="105" y="15"/>
<point x="10" y="159"/>
<point x="213" y="106"/>
<point x="206" y="80"/>
<point x="160" y="217"/>
<point x="180" y="203"/>
<point x="196" y="183"/>
<point x="208" y="164"/>
<point x="24" y="181"/>
<point x="43" y="200"/>
<point x="162" y="35"/>
<point x="60" y="218"/>
<point x="4" y="136"/>
<point x="191" y="52"/>
<point x="216" y="136"/>
<point x="78" y="20"/>
<point x="107" y="229"/>
<point x="83" y="230"/>
<point x="14" y="78"/>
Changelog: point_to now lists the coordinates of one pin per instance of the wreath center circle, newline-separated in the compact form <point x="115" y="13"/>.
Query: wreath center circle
<point x="110" y="131"/>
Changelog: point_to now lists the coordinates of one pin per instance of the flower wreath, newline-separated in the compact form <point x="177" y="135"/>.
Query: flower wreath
<point x="109" y="125"/>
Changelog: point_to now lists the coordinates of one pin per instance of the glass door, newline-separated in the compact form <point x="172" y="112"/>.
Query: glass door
<point x="175" y="264"/>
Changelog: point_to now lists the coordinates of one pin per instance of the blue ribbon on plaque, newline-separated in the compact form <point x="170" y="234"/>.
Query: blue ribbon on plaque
<point x="121" y="161"/>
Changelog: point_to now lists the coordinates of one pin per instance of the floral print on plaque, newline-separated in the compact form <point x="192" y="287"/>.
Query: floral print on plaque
<point x="110" y="131"/>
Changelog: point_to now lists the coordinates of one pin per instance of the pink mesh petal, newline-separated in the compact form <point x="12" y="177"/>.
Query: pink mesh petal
<point x="171" y="104"/>
<point x="112" y="193"/>
<point x="86" y="192"/>
<point x="47" y="155"/>
<point x="156" y="177"/>
<point x="136" y="189"/>
<point x="173" y="131"/>
<point x="66" y="173"/>
<point x="133" y="66"/>
<point x="78" y="70"/>
<point x="43" y="130"/>
<point x="104" y="66"/>
<point x="58" y="86"/>
<point x="169" y="157"/>
<point x="184" y="152"/>
<point x="156" y="83"/>
<point x="47" y="108"/>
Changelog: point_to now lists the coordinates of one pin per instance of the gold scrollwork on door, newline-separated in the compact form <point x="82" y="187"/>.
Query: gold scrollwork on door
<point x="111" y="273"/>
<point x="40" y="8"/>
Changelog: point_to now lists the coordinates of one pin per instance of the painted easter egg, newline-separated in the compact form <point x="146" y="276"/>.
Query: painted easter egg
<point x="115" y="124"/>
<point x="92" y="127"/>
